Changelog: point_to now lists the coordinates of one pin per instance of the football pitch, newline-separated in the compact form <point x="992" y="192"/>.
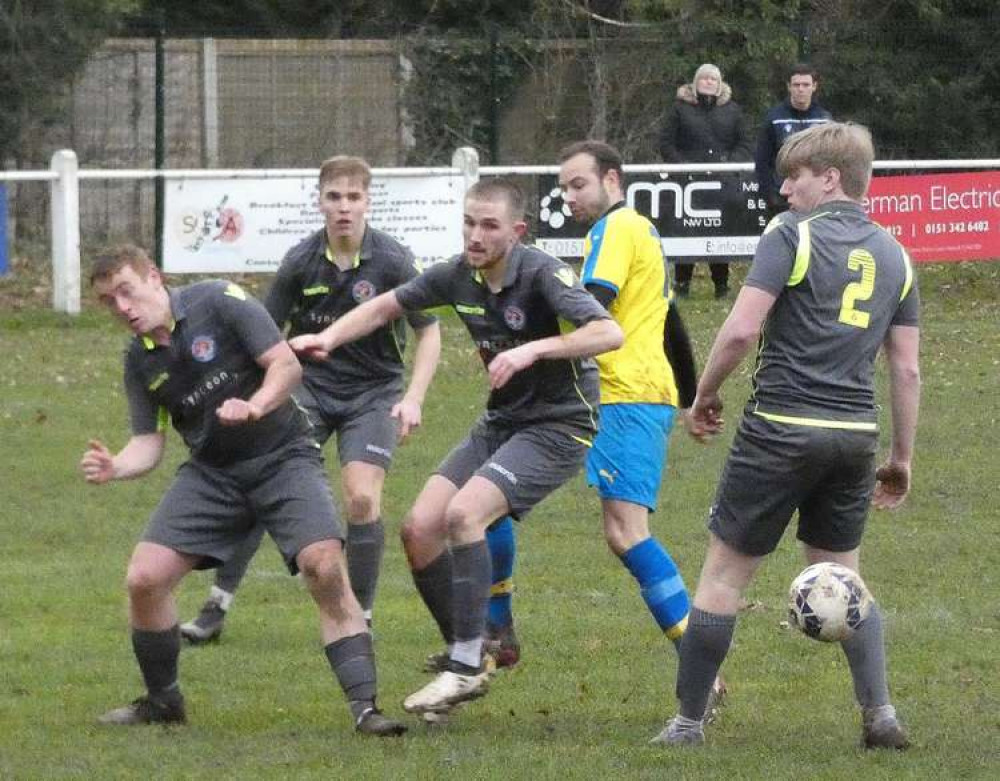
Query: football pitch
<point x="595" y="682"/>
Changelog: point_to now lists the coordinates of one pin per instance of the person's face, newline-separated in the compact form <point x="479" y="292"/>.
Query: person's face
<point x="490" y="232"/>
<point x="805" y="190"/>
<point x="585" y="191"/>
<point x="800" y="90"/>
<point x="343" y="202"/>
<point x="140" y="302"/>
<point x="707" y="84"/>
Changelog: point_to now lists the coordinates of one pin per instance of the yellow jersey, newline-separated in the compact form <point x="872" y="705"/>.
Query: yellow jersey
<point x="622" y="252"/>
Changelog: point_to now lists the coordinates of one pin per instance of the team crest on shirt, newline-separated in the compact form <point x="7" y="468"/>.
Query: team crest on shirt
<point x="362" y="291"/>
<point x="514" y="317"/>
<point x="203" y="348"/>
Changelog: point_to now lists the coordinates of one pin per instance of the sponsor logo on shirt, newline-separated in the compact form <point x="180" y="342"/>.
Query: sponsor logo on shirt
<point x="203" y="348"/>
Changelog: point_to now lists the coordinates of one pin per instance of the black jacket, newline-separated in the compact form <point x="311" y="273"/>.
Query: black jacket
<point x="779" y="123"/>
<point x="704" y="129"/>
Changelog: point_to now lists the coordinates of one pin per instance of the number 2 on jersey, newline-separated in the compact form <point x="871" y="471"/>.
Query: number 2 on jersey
<point x="859" y="260"/>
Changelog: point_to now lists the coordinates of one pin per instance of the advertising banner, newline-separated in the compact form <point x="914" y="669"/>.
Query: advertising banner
<point x="718" y="215"/>
<point x="940" y="216"/>
<point x="247" y="225"/>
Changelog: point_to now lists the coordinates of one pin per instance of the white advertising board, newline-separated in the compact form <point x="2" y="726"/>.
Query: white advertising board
<point x="247" y="225"/>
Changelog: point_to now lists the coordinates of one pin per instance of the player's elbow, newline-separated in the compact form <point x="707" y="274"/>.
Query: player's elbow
<point x="612" y="334"/>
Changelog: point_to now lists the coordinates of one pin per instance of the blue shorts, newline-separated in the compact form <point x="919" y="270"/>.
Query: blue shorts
<point x="629" y="452"/>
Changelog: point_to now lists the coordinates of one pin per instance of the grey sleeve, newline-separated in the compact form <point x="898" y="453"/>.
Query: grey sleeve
<point x="567" y="296"/>
<point x="142" y="409"/>
<point x="409" y="271"/>
<point x="774" y="258"/>
<point x="427" y="290"/>
<point x="245" y="316"/>
<point x="908" y="312"/>
<point x="282" y="295"/>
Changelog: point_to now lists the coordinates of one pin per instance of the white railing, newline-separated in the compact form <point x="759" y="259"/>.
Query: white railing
<point x="64" y="176"/>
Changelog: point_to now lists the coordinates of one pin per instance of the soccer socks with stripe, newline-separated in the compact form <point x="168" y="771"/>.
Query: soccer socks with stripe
<point x="703" y="649"/>
<point x="865" y="652"/>
<point x="352" y="660"/>
<point x="503" y="550"/>
<point x="365" y="545"/>
<point x="470" y="593"/>
<point x="660" y="584"/>
<point x="433" y="583"/>
<point x="157" y="653"/>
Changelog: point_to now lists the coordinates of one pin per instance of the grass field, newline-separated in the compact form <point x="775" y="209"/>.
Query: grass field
<point x="596" y="680"/>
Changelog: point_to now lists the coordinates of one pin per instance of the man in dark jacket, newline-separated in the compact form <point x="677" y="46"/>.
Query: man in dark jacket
<point x="704" y="126"/>
<point x="798" y="112"/>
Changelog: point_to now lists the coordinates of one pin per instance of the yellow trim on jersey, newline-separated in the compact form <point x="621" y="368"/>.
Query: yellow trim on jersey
<point x="162" y="419"/>
<point x="235" y="291"/>
<point x="158" y="381"/>
<point x="148" y="343"/>
<point x="470" y="309"/>
<point x="846" y="425"/>
<point x="802" y="253"/>
<point x="315" y="290"/>
<point x="355" y="261"/>
<point x="582" y="441"/>
<point x="908" y="266"/>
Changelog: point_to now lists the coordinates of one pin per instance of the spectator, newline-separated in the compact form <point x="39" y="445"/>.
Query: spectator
<point x="704" y="126"/>
<point x="798" y="112"/>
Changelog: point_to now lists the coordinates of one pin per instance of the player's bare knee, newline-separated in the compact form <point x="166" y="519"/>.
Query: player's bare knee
<point x="460" y="521"/>
<point x="144" y="582"/>
<point x="362" y="505"/>
<point x="322" y="565"/>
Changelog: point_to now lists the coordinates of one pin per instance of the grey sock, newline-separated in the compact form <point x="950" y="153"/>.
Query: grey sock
<point x="365" y="544"/>
<point x="157" y="653"/>
<point x="865" y="652"/>
<point x="433" y="583"/>
<point x="229" y="575"/>
<point x="353" y="662"/>
<point x="470" y="589"/>
<point x="703" y="649"/>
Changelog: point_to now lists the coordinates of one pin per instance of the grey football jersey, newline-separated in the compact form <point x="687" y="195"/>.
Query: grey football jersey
<point x="310" y="292"/>
<point x="218" y="333"/>
<point x="538" y="292"/>
<point x="841" y="282"/>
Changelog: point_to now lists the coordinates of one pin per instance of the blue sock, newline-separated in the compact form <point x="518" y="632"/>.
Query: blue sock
<point x="503" y="548"/>
<point x="660" y="584"/>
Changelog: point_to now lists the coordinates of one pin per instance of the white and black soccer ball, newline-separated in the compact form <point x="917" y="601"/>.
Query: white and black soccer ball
<point x="828" y="601"/>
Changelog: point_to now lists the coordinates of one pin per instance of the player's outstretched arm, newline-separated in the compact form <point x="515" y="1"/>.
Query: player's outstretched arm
<point x="360" y="321"/>
<point x="140" y="455"/>
<point x="593" y="338"/>
<point x="735" y="339"/>
<point x="426" y="354"/>
<point x="282" y="372"/>
<point x="902" y="351"/>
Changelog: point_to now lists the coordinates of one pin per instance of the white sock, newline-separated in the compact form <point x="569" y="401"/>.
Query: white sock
<point x="224" y="598"/>
<point x="469" y="652"/>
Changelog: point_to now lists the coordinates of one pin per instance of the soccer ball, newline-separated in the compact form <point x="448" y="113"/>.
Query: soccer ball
<point x="828" y="601"/>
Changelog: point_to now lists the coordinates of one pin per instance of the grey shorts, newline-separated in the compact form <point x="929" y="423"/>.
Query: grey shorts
<point x="774" y="469"/>
<point x="526" y="463"/>
<point x="365" y="431"/>
<point x="208" y="511"/>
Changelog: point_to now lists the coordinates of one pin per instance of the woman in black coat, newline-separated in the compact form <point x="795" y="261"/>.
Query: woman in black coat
<point x="705" y="125"/>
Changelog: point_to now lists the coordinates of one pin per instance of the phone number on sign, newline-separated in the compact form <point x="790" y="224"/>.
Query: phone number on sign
<point x="981" y="226"/>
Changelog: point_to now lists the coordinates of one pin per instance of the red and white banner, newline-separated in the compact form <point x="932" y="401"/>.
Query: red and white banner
<point x="940" y="216"/>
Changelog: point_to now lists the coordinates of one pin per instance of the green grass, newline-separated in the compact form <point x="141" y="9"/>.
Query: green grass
<point x="596" y="679"/>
